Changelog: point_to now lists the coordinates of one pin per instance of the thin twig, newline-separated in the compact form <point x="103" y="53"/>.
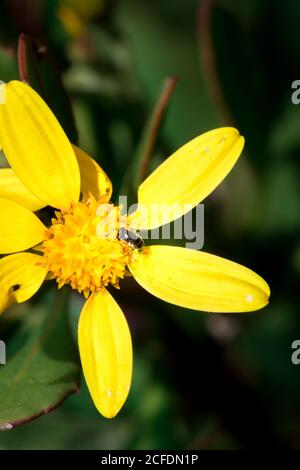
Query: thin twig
<point x="208" y="57"/>
<point x="154" y="124"/>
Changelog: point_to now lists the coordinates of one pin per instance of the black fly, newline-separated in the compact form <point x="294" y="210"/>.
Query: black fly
<point x="132" y="238"/>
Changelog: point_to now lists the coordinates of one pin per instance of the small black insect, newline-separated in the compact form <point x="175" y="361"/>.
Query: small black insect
<point x="132" y="238"/>
<point x="14" y="288"/>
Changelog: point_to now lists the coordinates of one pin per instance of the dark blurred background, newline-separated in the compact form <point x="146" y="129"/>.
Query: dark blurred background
<point x="201" y="381"/>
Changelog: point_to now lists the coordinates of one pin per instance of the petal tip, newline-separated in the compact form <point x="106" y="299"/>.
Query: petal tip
<point x="110" y="413"/>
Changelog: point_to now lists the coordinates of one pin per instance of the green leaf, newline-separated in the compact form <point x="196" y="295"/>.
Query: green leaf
<point x="42" y="372"/>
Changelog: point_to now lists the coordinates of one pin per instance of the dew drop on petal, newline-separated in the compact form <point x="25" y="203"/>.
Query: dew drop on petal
<point x="249" y="298"/>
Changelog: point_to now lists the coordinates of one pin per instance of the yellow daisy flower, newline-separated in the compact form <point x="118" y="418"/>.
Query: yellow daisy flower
<point x="77" y="249"/>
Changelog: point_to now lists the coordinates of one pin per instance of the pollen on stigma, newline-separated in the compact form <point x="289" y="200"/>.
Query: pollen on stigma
<point x="81" y="247"/>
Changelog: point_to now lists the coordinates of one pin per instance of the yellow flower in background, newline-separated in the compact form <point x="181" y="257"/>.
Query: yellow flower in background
<point x="75" y="14"/>
<point x="46" y="170"/>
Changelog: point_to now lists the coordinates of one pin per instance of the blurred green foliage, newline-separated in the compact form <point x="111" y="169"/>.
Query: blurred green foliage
<point x="200" y="381"/>
<point x="39" y="374"/>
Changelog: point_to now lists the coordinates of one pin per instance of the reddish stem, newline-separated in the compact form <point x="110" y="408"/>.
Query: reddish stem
<point x="22" y="58"/>
<point x="155" y="122"/>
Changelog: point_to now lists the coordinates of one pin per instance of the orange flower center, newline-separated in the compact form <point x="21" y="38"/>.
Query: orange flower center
<point x="81" y="248"/>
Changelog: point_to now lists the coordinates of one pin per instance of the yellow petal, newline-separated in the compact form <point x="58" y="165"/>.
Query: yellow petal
<point x="20" y="278"/>
<point x="93" y="179"/>
<point x="12" y="188"/>
<point x="187" y="177"/>
<point x="36" y="146"/>
<point x="3" y="300"/>
<point x="198" y="280"/>
<point x="106" y="352"/>
<point x="20" y="229"/>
